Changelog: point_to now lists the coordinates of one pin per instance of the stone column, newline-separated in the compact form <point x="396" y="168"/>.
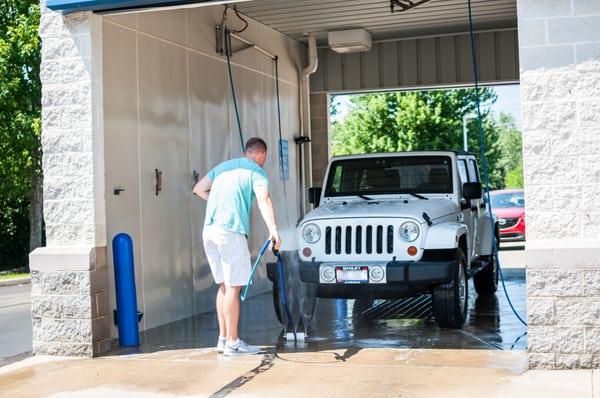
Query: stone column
<point x="69" y="276"/>
<point x="559" y="44"/>
<point x="319" y="130"/>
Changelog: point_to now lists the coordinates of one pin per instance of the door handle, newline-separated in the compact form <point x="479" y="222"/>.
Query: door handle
<point x="158" y="174"/>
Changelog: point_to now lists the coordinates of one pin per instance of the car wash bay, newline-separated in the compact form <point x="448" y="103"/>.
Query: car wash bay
<point x="168" y="116"/>
<point x="137" y="102"/>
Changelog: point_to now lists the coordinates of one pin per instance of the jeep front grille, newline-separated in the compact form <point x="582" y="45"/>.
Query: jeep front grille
<point x="349" y="240"/>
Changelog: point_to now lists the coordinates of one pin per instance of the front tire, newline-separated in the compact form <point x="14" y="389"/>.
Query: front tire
<point x="450" y="300"/>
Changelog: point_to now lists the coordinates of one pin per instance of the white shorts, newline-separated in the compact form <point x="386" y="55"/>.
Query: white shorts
<point x="228" y="256"/>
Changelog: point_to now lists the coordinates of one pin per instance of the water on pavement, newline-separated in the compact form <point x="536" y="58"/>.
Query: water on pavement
<point x="339" y="324"/>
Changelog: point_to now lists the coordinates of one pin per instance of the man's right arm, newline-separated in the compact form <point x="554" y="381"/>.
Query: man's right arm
<point x="268" y="214"/>
<point x="202" y="188"/>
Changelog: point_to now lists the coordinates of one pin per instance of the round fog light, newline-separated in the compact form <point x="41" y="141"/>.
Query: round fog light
<point x="412" y="251"/>
<point x="328" y="274"/>
<point x="376" y="274"/>
<point x="306" y="252"/>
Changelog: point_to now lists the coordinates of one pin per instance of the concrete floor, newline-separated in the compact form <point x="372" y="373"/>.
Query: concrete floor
<point x="15" y="313"/>
<point x="340" y="373"/>
<point x="381" y="349"/>
<point x="389" y="349"/>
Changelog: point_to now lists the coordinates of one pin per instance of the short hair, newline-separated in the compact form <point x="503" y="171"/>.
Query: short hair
<point x="255" y="144"/>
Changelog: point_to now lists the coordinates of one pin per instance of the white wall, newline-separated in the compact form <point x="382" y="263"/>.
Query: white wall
<point x="167" y="106"/>
<point x="559" y="44"/>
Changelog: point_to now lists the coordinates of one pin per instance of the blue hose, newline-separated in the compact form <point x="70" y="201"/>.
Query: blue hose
<point x="231" y="84"/>
<point x="239" y="125"/>
<point x="262" y="251"/>
<point x="287" y="213"/>
<point x="484" y="159"/>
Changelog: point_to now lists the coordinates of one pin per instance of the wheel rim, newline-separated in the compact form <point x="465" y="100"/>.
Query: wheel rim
<point x="462" y="287"/>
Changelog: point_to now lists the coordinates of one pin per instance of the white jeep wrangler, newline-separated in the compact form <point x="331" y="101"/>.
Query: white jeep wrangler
<point x="398" y="225"/>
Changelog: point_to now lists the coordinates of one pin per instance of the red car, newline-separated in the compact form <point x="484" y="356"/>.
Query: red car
<point x="508" y="206"/>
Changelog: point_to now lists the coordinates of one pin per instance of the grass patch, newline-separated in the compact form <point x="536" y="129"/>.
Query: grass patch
<point x="13" y="275"/>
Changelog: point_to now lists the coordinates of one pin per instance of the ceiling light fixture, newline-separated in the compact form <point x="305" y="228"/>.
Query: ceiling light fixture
<point x="349" y="41"/>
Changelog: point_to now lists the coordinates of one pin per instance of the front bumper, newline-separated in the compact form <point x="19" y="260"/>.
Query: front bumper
<point x="397" y="272"/>
<point x="403" y="279"/>
<point x="512" y="237"/>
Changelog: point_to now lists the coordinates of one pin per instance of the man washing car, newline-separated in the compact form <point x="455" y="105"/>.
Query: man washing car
<point x="229" y="189"/>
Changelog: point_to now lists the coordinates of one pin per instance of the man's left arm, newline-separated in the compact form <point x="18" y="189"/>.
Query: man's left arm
<point x="202" y="188"/>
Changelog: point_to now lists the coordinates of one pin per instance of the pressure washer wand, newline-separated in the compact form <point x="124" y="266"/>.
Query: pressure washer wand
<point x="262" y="251"/>
<point x="290" y="323"/>
<point x="276" y="253"/>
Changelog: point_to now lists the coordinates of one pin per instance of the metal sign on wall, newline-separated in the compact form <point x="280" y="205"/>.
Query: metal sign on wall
<point x="284" y="160"/>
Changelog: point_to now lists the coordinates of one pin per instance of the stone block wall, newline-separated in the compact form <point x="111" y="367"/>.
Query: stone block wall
<point x="319" y="125"/>
<point x="559" y="44"/>
<point x="72" y="139"/>
<point x="69" y="276"/>
<point x="69" y="307"/>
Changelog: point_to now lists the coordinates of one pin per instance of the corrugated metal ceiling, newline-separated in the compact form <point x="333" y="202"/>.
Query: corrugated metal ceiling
<point x="436" y="17"/>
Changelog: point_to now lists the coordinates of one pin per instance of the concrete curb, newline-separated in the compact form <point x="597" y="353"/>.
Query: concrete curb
<point x="15" y="282"/>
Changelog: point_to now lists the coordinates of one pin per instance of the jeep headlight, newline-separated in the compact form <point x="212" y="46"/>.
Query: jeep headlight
<point x="311" y="233"/>
<point x="409" y="231"/>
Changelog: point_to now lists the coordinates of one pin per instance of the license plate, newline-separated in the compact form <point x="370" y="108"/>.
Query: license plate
<point x="352" y="274"/>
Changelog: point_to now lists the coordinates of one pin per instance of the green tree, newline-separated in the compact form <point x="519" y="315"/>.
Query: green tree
<point x="418" y="121"/>
<point x="514" y="178"/>
<point x="20" y="150"/>
<point x="511" y="145"/>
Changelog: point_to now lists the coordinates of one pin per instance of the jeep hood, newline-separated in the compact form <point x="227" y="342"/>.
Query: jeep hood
<point x="435" y="208"/>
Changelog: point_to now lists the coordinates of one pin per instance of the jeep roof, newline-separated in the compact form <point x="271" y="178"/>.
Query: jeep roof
<point x="405" y="153"/>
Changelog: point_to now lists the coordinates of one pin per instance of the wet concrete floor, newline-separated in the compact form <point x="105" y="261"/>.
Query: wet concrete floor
<point x="372" y="372"/>
<point x="345" y="324"/>
<point x="389" y="349"/>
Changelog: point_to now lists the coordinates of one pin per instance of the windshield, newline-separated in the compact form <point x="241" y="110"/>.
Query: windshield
<point x="506" y="200"/>
<point x="390" y="175"/>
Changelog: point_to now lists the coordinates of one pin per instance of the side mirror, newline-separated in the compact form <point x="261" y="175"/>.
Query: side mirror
<point x="472" y="190"/>
<point x="314" y="195"/>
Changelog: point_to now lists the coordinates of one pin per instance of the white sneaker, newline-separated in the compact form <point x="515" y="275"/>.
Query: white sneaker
<point x="239" y="348"/>
<point x="221" y="344"/>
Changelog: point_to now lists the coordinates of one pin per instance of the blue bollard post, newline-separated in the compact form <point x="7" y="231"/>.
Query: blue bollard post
<point x="127" y="315"/>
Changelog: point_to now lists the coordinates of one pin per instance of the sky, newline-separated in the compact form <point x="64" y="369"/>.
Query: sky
<point x="508" y="102"/>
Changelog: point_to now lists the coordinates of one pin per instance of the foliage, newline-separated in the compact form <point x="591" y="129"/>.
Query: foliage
<point x="418" y="121"/>
<point x="20" y="150"/>
<point x="13" y="275"/>
<point x="514" y="178"/>
<point x="334" y="105"/>
<point x="511" y="145"/>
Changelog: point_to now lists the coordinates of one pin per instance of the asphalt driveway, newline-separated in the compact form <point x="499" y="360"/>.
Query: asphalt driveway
<point x="15" y="322"/>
